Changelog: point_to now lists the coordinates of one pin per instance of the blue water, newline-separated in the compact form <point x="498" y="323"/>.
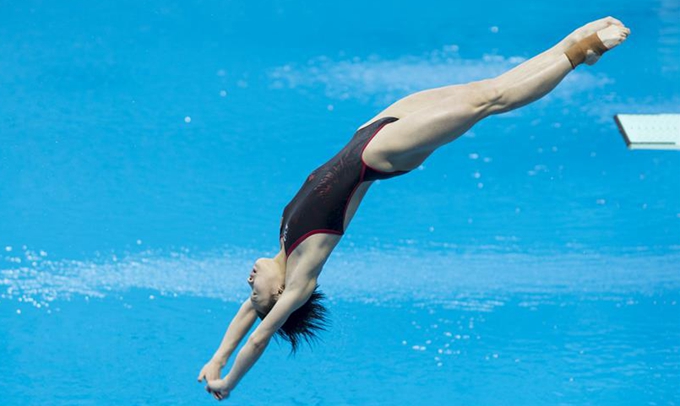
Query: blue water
<point x="147" y="150"/>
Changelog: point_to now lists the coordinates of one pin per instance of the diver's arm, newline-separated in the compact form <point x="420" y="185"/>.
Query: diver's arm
<point x="291" y="299"/>
<point x="239" y="326"/>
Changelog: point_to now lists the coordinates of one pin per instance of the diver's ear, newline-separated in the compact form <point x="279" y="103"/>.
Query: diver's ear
<point x="278" y="293"/>
<point x="280" y="290"/>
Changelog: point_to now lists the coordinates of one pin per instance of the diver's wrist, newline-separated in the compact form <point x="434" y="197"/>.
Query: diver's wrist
<point x="220" y="359"/>
<point x="229" y="384"/>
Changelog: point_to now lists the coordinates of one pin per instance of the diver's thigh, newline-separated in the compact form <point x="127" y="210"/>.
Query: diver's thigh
<point x="418" y="134"/>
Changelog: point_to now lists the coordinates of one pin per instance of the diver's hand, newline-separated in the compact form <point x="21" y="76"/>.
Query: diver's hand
<point x="219" y="388"/>
<point x="210" y="371"/>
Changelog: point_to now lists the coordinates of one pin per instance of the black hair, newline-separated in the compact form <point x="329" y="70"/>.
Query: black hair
<point x="305" y="322"/>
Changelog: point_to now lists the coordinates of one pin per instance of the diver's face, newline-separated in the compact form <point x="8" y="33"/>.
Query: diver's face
<point x="266" y="281"/>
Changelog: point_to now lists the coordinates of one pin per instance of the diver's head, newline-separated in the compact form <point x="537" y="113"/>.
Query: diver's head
<point x="267" y="282"/>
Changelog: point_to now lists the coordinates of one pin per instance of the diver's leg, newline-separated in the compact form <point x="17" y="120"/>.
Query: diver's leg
<point x="404" y="144"/>
<point x="429" y="97"/>
<point x="525" y="84"/>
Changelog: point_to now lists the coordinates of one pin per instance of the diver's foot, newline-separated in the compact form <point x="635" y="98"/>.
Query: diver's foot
<point x="588" y="29"/>
<point x="611" y="37"/>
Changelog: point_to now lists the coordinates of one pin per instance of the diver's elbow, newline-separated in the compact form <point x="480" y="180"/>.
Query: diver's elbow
<point x="257" y="342"/>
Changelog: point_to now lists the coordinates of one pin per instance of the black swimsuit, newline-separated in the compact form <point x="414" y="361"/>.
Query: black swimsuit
<point x="320" y="204"/>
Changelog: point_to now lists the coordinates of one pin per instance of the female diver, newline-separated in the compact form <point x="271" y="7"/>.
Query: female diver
<point x="284" y="288"/>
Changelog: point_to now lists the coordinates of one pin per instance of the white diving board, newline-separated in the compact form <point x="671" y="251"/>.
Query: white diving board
<point x="650" y="131"/>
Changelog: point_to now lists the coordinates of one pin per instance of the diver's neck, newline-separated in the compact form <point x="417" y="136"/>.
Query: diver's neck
<point x="280" y="259"/>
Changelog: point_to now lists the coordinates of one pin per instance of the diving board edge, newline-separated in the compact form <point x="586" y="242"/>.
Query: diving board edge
<point x="650" y="131"/>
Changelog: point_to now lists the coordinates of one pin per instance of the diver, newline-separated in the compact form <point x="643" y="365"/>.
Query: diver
<point x="285" y="293"/>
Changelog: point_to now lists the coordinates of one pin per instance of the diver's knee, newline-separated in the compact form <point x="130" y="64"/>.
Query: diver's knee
<point x="488" y="96"/>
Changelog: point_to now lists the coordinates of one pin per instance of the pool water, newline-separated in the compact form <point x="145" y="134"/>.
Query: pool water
<point x="148" y="149"/>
